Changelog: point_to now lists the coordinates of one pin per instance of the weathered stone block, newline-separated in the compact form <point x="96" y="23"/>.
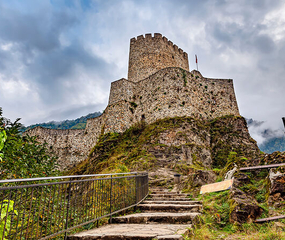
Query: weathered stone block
<point x="244" y="208"/>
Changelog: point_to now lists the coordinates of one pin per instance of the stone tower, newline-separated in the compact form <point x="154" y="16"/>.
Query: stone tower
<point x="150" y="54"/>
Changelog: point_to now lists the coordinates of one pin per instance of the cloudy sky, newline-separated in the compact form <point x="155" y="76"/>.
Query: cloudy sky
<point x="58" y="57"/>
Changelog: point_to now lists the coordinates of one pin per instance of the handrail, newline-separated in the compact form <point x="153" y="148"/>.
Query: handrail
<point x="52" y="208"/>
<point x="262" y="167"/>
<point x="61" y="177"/>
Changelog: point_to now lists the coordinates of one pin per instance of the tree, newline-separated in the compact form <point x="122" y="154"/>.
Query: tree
<point x="23" y="156"/>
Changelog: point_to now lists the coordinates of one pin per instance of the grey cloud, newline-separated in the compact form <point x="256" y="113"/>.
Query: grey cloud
<point x="40" y="31"/>
<point x="264" y="44"/>
<point x="48" y="64"/>
<point x="5" y="58"/>
<point x="241" y="38"/>
<point x="52" y="70"/>
<point x="72" y="112"/>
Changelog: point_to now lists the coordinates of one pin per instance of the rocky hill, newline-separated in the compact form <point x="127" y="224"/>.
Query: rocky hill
<point x="203" y="151"/>
<point x="181" y="144"/>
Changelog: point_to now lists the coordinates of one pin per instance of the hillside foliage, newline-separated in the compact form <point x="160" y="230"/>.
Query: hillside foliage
<point x="78" y="123"/>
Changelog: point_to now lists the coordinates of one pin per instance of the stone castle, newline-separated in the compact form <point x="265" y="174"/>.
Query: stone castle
<point x="159" y="85"/>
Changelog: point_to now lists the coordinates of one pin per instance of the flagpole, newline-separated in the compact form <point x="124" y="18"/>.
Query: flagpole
<point x="196" y="62"/>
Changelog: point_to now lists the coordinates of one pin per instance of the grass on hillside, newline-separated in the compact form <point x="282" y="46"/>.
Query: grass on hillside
<point x="215" y="220"/>
<point x="129" y="149"/>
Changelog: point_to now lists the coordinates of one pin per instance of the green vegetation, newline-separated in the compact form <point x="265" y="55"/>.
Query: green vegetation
<point x="78" y="123"/>
<point x="23" y="156"/>
<point x="5" y="219"/>
<point x="223" y="136"/>
<point x="3" y="138"/>
<point x="215" y="222"/>
<point x="184" y="77"/>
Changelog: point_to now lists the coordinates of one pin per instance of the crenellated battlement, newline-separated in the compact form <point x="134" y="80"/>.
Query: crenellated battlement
<point x="148" y="54"/>
<point x="158" y="36"/>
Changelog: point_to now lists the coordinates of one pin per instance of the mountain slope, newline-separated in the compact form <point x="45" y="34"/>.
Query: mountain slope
<point x="272" y="140"/>
<point x="273" y="145"/>
<point x="78" y="123"/>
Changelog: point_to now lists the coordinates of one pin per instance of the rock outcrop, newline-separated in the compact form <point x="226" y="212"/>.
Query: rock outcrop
<point x="244" y="208"/>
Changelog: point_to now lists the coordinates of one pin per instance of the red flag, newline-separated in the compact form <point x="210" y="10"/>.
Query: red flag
<point x="196" y="61"/>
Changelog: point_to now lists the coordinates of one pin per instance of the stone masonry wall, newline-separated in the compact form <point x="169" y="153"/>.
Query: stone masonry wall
<point x="149" y="54"/>
<point x="172" y="92"/>
<point x="120" y="89"/>
<point x="169" y="92"/>
<point x="69" y="145"/>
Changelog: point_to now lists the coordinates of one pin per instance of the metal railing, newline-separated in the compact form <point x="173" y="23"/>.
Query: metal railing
<point x="41" y="208"/>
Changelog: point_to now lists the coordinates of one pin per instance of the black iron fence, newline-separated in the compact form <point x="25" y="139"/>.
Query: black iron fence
<point x="41" y="208"/>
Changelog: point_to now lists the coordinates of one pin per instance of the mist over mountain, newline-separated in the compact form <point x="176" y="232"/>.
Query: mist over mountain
<point x="268" y="139"/>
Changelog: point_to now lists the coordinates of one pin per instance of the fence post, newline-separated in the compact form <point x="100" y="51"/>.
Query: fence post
<point x="67" y="209"/>
<point x="137" y="189"/>
<point x="110" y="220"/>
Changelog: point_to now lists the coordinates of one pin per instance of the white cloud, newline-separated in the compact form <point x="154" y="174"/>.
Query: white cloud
<point x="275" y="20"/>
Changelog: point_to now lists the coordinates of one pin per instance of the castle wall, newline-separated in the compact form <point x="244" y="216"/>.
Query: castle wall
<point x="149" y="54"/>
<point x="118" y="117"/>
<point x="173" y="92"/>
<point x="68" y="144"/>
<point x="92" y="131"/>
<point x="180" y="93"/>
<point x="120" y="90"/>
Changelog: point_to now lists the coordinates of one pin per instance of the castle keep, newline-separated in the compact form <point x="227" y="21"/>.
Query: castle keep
<point x="159" y="85"/>
<point x="151" y="54"/>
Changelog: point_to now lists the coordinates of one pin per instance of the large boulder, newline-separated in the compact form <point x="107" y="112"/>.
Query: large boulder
<point x="202" y="177"/>
<point x="277" y="187"/>
<point x="240" y="179"/>
<point x="244" y="208"/>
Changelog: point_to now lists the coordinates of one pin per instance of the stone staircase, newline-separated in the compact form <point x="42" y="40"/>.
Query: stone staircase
<point x="164" y="215"/>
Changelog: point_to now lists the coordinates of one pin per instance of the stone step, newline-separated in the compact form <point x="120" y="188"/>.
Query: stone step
<point x="169" y="199"/>
<point x="159" y="217"/>
<point x="134" y="231"/>
<point x="170" y="207"/>
<point x="158" y="191"/>
<point x="160" y="180"/>
<point x="186" y="202"/>
<point x="165" y="192"/>
<point x="169" y="194"/>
